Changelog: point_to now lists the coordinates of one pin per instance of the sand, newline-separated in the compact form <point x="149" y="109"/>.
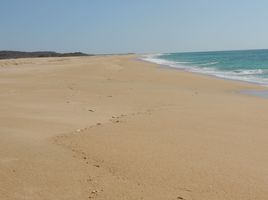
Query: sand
<point x="115" y="127"/>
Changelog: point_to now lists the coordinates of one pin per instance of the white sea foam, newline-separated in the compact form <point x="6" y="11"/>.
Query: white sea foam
<point x="241" y="75"/>
<point x="210" y="63"/>
<point x="250" y="72"/>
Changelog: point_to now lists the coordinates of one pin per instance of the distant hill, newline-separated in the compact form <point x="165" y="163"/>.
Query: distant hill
<point x="37" y="54"/>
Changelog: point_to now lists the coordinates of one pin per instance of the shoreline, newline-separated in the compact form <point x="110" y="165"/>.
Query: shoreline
<point x="115" y="127"/>
<point x="261" y="91"/>
<point x="152" y="59"/>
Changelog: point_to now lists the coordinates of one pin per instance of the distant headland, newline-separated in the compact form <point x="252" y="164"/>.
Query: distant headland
<point x="37" y="54"/>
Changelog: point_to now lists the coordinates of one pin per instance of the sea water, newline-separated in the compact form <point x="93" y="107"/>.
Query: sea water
<point x="246" y="65"/>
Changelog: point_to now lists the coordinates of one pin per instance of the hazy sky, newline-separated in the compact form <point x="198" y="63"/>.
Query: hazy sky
<point x="118" y="26"/>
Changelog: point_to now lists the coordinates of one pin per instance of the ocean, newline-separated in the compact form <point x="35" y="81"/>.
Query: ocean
<point x="245" y="65"/>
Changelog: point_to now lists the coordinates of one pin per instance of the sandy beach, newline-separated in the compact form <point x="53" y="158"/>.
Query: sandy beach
<point x="118" y="128"/>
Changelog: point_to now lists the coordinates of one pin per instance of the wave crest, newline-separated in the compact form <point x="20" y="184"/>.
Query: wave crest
<point x="247" y="75"/>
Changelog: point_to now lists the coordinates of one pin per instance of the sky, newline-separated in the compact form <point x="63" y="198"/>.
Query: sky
<point x="133" y="26"/>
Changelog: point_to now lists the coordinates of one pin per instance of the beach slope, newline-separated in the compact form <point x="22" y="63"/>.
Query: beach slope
<point x="115" y="127"/>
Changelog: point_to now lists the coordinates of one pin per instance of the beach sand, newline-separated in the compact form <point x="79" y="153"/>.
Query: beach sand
<point x="115" y="127"/>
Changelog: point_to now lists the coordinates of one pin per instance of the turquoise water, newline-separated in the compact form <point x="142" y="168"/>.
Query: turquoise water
<point x="247" y="65"/>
